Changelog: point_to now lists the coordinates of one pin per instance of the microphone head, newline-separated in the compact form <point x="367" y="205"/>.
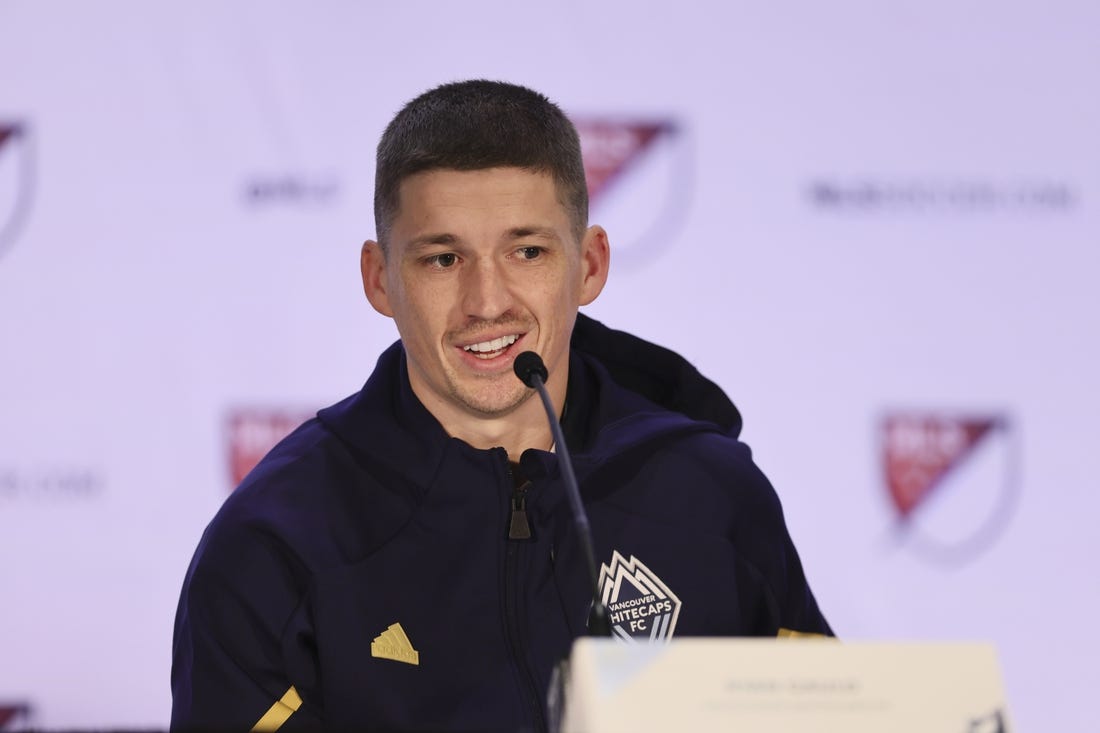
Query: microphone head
<point x="527" y="366"/>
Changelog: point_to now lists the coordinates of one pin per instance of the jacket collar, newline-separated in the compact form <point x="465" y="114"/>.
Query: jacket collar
<point x="386" y="424"/>
<point x="623" y="394"/>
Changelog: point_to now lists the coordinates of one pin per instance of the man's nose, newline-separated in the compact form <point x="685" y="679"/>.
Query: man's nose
<point x="486" y="291"/>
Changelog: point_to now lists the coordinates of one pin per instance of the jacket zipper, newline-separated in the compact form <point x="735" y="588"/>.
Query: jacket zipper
<point x="518" y="526"/>
<point x="519" y="533"/>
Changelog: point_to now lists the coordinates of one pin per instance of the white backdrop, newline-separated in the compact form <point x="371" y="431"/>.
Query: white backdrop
<point x="851" y="214"/>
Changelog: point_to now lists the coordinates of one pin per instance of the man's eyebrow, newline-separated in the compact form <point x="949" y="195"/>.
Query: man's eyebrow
<point x="533" y="231"/>
<point x="427" y="240"/>
<point x="447" y="239"/>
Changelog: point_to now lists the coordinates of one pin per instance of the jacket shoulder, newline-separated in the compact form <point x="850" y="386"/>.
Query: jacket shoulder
<point x="698" y="475"/>
<point x="311" y="503"/>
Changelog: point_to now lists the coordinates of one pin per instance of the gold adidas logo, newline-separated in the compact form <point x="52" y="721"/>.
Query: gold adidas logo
<point x="394" y="644"/>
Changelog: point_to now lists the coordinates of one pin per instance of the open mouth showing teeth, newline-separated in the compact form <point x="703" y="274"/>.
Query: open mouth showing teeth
<point x="491" y="349"/>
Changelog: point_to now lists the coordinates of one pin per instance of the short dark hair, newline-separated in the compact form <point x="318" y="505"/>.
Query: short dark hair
<point x="478" y="124"/>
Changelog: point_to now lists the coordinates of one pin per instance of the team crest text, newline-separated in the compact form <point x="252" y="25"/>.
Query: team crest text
<point x="639" y="605"/>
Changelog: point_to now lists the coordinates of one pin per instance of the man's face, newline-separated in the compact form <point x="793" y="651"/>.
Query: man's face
<point x="482" y="266"/>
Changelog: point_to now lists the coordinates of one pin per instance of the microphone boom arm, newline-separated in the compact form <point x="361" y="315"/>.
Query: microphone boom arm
<point x="532" y="372"/>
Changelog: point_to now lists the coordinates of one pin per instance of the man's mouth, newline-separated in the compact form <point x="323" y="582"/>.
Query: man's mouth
<point x="492" y="348"/>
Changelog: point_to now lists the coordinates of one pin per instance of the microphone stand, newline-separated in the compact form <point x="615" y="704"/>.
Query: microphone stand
<point x="531" y="370"/>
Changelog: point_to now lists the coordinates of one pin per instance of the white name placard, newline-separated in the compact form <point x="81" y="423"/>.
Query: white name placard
<point x="784" y="685"/>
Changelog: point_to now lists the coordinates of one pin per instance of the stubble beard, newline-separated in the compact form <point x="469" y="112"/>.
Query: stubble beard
<point x="503" y="399"/>
<point x="489" y="395"/>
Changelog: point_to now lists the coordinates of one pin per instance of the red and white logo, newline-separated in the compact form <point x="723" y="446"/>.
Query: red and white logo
<point x="16" y="169"/>
<point x="610" y="147"/>
<point x="14" y="715"/>
<point x="252" y="432"/>
<point x="951" y="479"/>
<point x="639" y="178"/>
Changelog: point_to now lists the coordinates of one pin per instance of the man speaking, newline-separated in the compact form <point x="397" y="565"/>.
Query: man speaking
<point x="409" y="559"/>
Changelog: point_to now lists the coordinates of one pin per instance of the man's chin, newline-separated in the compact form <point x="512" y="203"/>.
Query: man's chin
<point x="497" y="406"/>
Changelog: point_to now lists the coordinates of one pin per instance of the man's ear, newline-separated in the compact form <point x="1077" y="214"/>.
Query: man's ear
<point x="595" y="263"/>
<point x="372" y="264"/>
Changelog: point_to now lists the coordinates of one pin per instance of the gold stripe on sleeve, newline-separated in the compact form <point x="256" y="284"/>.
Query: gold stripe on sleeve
<point x="278" y="713"/>
<point x="792" y="634"/>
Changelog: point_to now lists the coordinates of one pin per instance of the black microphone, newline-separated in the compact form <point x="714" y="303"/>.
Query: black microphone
<point x="527" y="366"/>
<point x="531" y="371"/>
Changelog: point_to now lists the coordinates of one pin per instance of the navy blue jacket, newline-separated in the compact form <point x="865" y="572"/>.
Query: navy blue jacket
<point x="373" y="573"/>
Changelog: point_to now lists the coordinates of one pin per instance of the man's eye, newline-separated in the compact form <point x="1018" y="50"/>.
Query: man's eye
<point x="530" y="253"/>
<point x="443" y="261"/>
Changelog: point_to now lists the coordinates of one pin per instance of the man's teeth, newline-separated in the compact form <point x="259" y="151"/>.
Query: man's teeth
<point x="490" y="347"/>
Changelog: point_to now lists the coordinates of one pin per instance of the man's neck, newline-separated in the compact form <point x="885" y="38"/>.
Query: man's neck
<point x="514" y="433"/>
<point x="524" y="427"/>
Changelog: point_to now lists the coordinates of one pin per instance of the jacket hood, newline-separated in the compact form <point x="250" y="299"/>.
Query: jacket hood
<point x="660" y="375"/>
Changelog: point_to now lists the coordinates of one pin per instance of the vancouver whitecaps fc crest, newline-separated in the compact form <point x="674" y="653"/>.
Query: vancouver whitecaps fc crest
<point x="639" y="605"/>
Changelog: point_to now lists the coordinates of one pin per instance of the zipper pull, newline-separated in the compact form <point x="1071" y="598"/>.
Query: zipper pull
<point x="518" y="527"/>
